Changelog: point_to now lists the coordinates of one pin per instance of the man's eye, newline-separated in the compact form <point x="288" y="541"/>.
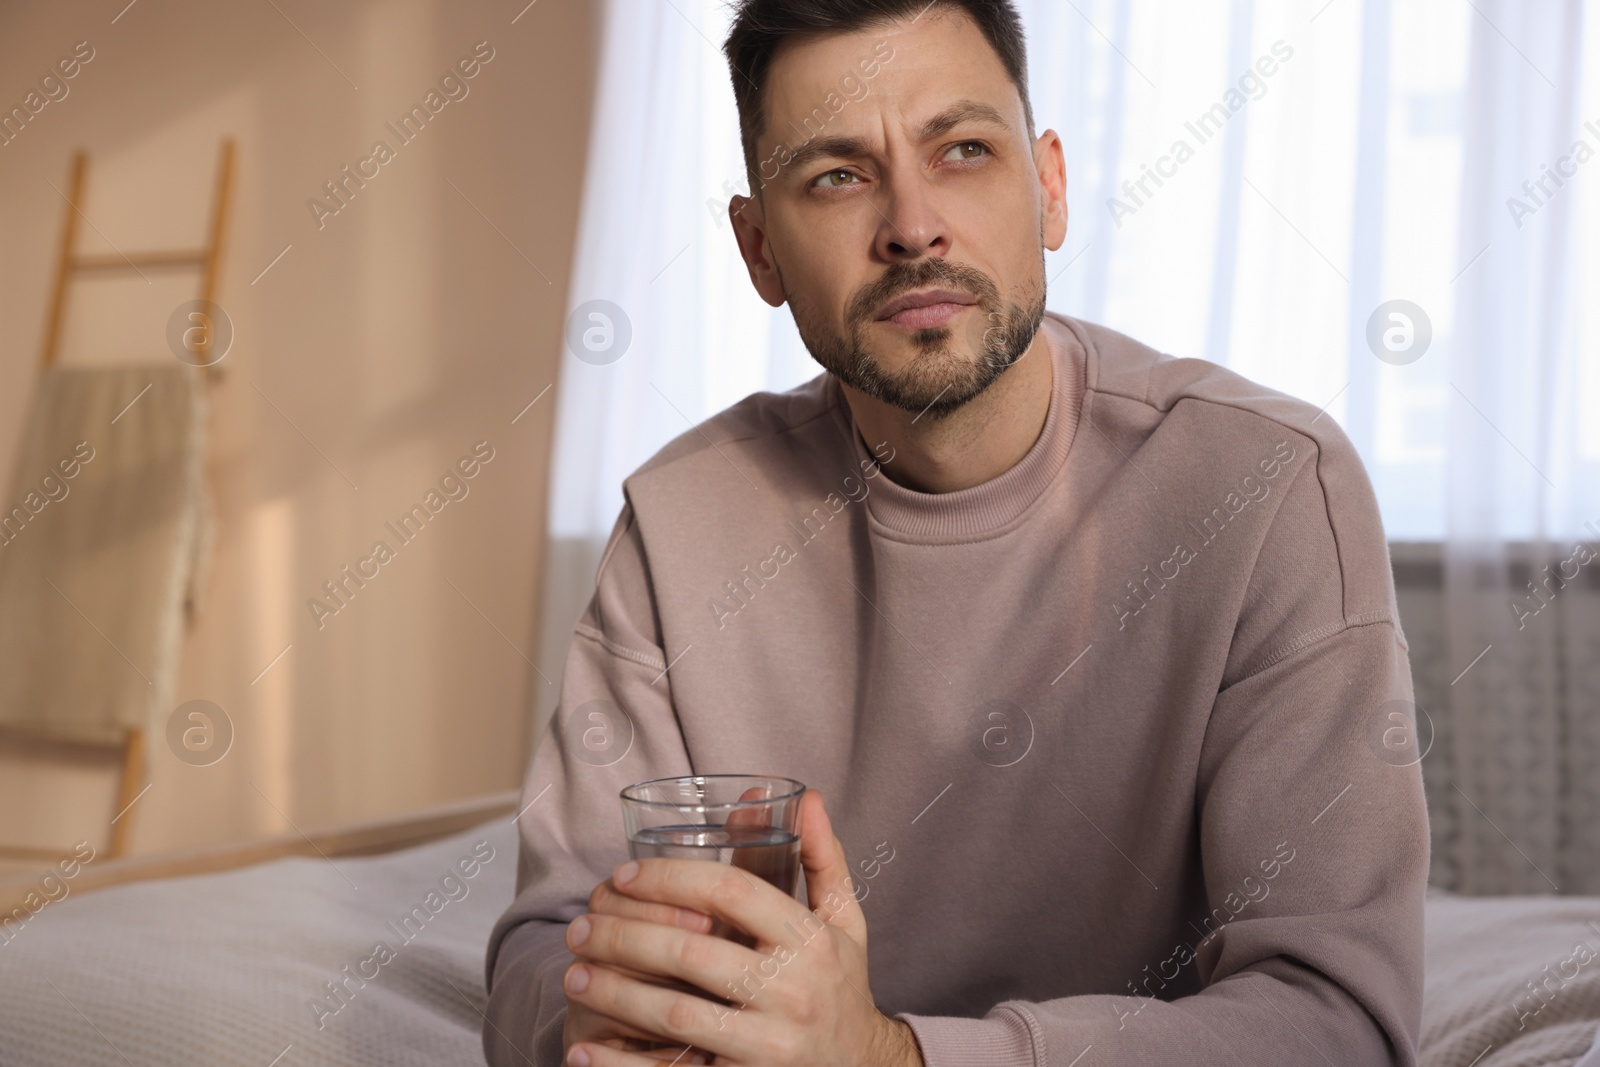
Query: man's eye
<point x="836" y="178"/>
<point x="966" y="150"/>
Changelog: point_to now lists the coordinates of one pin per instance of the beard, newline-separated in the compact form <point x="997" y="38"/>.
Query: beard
<point x="950" y="367"/>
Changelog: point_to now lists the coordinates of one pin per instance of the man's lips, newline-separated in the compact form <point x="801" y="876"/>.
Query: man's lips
<point x="926" y="309"/>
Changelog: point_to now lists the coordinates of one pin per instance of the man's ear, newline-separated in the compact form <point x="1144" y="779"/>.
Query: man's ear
<point x="750" y="230"/>
<point x="1052" y="169"/>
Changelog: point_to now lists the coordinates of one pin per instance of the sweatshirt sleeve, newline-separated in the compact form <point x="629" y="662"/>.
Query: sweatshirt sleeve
<point x="614" y="725"/>
<point x="1313" y="830"/>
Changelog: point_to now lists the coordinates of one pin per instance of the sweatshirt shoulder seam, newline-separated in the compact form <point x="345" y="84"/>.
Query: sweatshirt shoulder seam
<point x="644" y="659"/>
<point x="1315" y="463"/>
<point x="1333" y="532"/>
<point x="1346" y="620"/>
<point x="1138" y="390"/>
<point x="826" y="409"/>
<point x="1213" y="401"/>
<point x="1319" y="635"/>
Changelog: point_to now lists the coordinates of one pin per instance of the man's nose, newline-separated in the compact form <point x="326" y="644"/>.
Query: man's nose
<point x="911" y="225"/>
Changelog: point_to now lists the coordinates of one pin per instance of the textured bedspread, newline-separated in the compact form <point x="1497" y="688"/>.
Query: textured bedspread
<point x="234" y="969"/>
<point x="380" y="961"/>
<point x="1512" y="981"/>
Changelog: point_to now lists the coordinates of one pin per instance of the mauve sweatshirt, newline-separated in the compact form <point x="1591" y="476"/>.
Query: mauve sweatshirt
<point x="1109" y="740"/>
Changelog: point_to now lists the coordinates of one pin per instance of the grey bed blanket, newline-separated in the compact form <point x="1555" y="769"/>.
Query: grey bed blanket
<point x="277" y="964"/>
<point x="1511" y="981"/>
<point x="380" y="961"/>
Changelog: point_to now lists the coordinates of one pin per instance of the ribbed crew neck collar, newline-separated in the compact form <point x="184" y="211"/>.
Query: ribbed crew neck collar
<point x="988" y="506"/>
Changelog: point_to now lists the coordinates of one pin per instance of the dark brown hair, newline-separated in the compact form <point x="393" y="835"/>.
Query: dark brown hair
<point x="760" y="27"/>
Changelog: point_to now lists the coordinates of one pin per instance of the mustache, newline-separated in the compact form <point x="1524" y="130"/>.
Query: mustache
<point x="905" y="276"/>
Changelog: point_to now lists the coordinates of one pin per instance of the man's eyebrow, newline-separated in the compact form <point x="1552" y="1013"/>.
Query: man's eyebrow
<point x="849" y="147"/>
<point x="827" y="147"/>
<point x="959" y="112"/>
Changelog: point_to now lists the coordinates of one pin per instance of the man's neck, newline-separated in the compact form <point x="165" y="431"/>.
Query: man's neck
<point x="980" y="440"/>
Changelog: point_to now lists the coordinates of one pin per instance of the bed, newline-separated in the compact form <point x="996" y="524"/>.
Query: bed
<point x="269" y="958"/>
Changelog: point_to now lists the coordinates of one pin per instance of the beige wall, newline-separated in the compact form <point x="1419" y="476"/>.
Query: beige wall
<point x="395" y="337"/>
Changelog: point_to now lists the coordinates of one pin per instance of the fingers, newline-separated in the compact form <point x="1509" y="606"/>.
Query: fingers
<point x="676" y="1054"/>
<point x="708" y="963"/>
<point x="720" y="890"/>
<point x="643" y="976"/>
<point x="651" y="1047"/>
<point x="587" y="1055"/>
<point x="677" y="1017"/>
<point x="663" y="980"/>
<point x="585" y="1024"/>
<point x="605" y="900"/>
<point x="759" y="816"/>
<point x="829" y="887"/>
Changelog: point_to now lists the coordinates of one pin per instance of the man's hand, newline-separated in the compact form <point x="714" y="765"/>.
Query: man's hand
<point x="585" y="1024"/>
<point x="798" y="999"/>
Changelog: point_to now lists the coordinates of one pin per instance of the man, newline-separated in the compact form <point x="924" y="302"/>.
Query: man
<point x="1092" y="652"/>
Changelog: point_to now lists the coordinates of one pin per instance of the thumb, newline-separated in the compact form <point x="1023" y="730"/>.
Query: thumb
<point x="829" y="887"/>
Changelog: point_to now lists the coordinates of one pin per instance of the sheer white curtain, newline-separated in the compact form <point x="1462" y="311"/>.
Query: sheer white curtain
<point x="1521" y="741"/>
<point x="1256" y="184"/>
<point x="656" y="262"/>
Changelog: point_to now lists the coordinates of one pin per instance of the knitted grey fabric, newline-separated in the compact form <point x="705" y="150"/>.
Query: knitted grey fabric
<point x="225" y="969"/>
<point x="1513" y="980"/>
<point x="222" y="969"/>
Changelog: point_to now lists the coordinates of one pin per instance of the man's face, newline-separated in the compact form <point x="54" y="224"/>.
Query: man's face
<point x="905" y="223"/>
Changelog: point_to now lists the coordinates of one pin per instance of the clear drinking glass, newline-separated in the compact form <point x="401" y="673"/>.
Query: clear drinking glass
<point x="747" y="820"/>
